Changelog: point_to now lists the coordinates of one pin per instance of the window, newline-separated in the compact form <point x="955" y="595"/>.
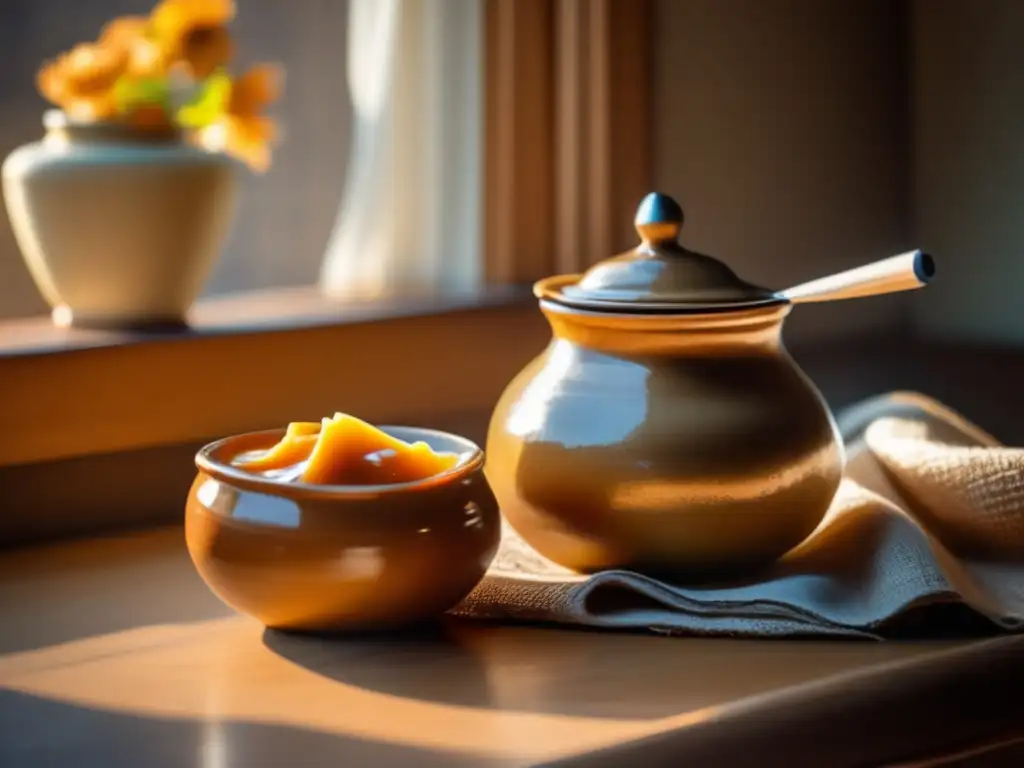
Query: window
<point x="557" y="106"/>
<point x="519" y="134"/>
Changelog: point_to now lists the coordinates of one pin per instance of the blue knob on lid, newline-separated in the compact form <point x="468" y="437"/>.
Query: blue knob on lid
<point x="658" y="219"/>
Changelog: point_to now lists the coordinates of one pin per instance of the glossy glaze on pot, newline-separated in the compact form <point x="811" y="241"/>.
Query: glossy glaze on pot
<point x="663" y="442"/>
<point x="341" y="558"/>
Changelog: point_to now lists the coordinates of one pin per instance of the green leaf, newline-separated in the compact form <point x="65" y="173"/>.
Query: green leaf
<point x="209" y="104"/>
<point x="131" y="94"/>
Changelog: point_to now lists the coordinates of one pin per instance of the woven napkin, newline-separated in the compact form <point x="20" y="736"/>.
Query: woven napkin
<point x="926" y="531"/>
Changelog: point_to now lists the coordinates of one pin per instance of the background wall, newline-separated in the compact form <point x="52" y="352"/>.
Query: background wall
<point x="783" y="131"/>
<point x="968" y="60"/>
<point x="801" y="136"/>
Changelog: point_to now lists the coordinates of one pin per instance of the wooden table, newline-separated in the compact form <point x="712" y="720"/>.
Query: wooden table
<point x="113" y="653"/>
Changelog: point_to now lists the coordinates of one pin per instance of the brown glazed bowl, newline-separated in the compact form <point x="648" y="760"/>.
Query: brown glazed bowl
<point x="341" y="558"/>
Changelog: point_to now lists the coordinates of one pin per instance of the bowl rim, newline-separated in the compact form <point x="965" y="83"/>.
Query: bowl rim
<point x="210" y="461"/>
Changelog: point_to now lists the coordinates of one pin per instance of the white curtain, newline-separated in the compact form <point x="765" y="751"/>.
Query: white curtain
<point x="410" y="217"/>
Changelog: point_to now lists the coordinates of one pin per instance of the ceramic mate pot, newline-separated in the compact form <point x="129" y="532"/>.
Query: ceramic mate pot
<point x="665" y="428"/>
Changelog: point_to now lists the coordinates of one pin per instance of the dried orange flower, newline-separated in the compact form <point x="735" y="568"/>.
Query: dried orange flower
<point x="124" y="31"/>
<point x="167" y="71"/>
<point x="82" y="81"/>
<point x="133" y="37"/>
<point x="244" y="131"/>
<point x="195" y="32"/>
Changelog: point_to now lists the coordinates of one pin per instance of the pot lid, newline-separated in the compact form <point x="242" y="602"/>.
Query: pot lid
<point x="660" y="274"/>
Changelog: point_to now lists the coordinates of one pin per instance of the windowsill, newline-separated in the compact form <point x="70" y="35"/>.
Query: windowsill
<point x="100" y="428"/>
<point x="267" y="311"/>
<point x="256" y="360"/>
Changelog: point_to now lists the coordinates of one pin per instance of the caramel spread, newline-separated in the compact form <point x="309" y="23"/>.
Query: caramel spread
<point x="345" y="450"/>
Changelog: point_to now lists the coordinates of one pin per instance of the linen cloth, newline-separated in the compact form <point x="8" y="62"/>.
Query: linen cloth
<point x="924" y="536"/>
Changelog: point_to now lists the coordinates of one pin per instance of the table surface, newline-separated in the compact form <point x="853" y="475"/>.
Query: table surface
<point x="113" y="652"/>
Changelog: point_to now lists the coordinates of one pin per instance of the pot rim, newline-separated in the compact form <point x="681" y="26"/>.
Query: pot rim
<point x="714" y="322"/>
<point x="59" y="123"/>
<point x="549" y="289"/>
<point x="213" y="460"/>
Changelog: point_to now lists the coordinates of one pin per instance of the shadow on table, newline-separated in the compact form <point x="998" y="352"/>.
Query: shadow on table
<point x="517" y="669"/>
<point x="574" y="673"/>
<point x="74" y="590"/>
<point x="43" y="733"/>
<point x="431" y="662"/>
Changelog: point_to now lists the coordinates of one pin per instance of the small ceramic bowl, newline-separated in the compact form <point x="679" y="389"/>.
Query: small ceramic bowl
<point x="307" y="557"/>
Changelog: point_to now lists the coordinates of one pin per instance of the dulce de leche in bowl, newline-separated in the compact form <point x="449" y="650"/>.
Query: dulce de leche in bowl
<point x="341" y="526"/>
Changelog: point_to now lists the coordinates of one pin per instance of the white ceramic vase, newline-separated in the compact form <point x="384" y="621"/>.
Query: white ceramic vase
<point x="119" y="228"/>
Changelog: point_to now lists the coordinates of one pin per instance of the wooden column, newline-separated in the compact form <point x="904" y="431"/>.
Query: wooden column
<point x="518" y="142"/>
<point x="568" y="132"/>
